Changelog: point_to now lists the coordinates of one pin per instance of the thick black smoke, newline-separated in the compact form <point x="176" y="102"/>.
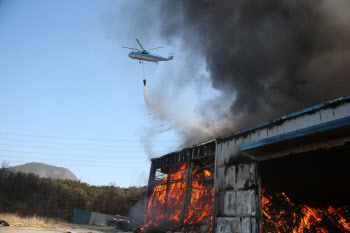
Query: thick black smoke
<point x="269" y="57"/>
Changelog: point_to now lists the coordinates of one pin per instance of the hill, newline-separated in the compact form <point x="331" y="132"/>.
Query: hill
<point x="29" y="194"/>
<point x="45" y="170"/>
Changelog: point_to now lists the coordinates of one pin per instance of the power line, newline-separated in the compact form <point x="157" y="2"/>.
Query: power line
<point x="61" y="148"/>
<point x="29" y="152"/>
<point x="79" y="144"/>
<point x="73" y="160"/>
<point x="74" y="138"/>
<point x="79" y="165"/>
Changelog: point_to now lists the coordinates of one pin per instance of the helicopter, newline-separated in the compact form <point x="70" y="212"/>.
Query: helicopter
<point x="144" y="55"/>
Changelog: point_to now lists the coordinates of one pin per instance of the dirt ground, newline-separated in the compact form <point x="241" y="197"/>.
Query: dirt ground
<point x="73" y="228"/>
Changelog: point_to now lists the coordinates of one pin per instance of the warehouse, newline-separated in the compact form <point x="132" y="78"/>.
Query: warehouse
<point x="236" y="182"/>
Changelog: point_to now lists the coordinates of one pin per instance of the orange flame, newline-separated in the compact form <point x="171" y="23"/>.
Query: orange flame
<point x="289" y="217"/>
<point x="202" y="197"/>
<point x="157" y="211"/>
<point x="166" y="208"/>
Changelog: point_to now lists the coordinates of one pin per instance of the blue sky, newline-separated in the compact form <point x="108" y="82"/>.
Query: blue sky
<point x="64" y="78"/>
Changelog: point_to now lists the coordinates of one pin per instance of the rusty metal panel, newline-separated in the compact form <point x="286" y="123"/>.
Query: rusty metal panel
<point x="341" y="111"/>
<point x="224" y="225"/>
<point x="230" y="203"/>
<point x="326" y="115"/>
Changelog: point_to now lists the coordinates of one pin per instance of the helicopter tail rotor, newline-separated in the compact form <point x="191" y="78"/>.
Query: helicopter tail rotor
<point x="171" y="56"/>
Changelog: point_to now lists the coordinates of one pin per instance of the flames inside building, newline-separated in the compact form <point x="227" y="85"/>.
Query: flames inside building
<point x="286" y="175"/>
<point x="182" y="195"/>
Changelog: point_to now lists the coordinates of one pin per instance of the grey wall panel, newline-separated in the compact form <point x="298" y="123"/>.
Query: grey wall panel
<point x="241" y="225"/>
<point x="228" y="149"/>
<point x="340" y="111"/>
<point x="303" y="121"/>
<point x="230" y="178"/>
<point x="326" y="115"/>
<point x="245" y="176"/>
<point x="244" y="199"/>
<point x="245" y="139"/>
<point x="224" y="225"/>
<point x="263" y="133"/>
<point x="238" y="141"/>
<point x="100" y="219"/>
<point x="272" y="131"/>
<point x="254" y="135"/>
<point x="291" y="125"/>
<point x="239" y="198"/>
<point x="220" y="178"/>
<point x="280" y="129"/>
<point x="230" y="203"/>
<point x="347" y="105"/>
<point x="314" y="118"/>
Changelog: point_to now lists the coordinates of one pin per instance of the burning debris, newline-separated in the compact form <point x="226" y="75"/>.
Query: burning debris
<point x="282" y="215"/>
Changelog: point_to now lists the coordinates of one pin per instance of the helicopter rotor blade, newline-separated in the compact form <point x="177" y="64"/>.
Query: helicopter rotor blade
<point x="129" y="48"/>
<point x="140" y="44"/>
<point x="157" y="48"/>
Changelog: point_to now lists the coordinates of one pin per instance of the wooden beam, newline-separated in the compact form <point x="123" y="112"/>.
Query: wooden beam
<point x="187" y="195"/>
<point x="152" y="175"/>
<point x="167" y="190"/>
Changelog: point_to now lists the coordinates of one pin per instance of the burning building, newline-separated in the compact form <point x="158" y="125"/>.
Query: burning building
<point x="285" y="175"/>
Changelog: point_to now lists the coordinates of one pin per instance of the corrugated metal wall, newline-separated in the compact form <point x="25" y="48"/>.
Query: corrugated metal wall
<point x="86" y="217"/>
<point x="237" y="196"/>
<point x="238" y="187"/>
<point x="81" y="216"/>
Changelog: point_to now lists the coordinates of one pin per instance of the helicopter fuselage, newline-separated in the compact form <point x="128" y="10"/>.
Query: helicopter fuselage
<point x="146" y="56"/>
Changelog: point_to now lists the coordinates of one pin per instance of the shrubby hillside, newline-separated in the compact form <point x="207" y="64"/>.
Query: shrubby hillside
<point x="28" y="194"/>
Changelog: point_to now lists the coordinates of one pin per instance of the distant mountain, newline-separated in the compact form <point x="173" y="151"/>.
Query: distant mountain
<point x="45" y="170"/>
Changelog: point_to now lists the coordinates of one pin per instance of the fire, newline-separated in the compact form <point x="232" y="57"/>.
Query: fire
<point x="282" y="215"/>
<point x="202" y="197"/>
<point x="162" y="209"/>
<point x="165" y="203"/>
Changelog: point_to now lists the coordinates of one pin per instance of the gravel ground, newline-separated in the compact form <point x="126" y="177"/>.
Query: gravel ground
<point x="73" y="228"/>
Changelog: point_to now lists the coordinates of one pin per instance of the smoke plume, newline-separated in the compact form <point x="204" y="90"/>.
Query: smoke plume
<point x="269" y="57"/>
<point x="264" y="58"/>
